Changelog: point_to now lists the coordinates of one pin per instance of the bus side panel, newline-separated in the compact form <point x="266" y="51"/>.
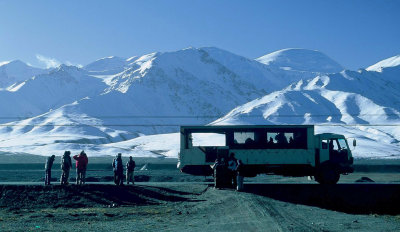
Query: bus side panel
<point x="193" y="156"/>
<point x="275" y="156"/>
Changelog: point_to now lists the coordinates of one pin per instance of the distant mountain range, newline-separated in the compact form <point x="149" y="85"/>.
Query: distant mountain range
<point x="116" y="104"/>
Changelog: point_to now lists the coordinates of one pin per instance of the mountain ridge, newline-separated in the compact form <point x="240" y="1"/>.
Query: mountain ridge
<point x="16" y="71"/>
<point x="114" y="100"/>
<point x="300" y="59"/>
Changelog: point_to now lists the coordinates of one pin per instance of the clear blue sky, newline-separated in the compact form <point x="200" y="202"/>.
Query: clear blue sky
<point x="354" y="33"/>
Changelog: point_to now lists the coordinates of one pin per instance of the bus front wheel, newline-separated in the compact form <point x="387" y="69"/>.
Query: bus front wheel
<point x="327" y="175"/>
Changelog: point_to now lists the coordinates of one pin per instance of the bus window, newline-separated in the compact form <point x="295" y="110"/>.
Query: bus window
<point x="324" y="144"/>
<point x="285" y="140"/>
<point x="243" y="137"/>
<point x="289" y="137"/>
<point x="208" y="139"/>
<point x="280" y="137"/>
<point x="271" y="137"/>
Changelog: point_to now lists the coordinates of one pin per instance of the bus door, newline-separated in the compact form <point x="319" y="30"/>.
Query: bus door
<point x="324" y="151"/>
<point x="338" y="151"/>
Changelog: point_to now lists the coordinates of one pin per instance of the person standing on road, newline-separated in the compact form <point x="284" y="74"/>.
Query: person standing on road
<point x="240" y="175"/>
<point x="66" y="165"/>
<point x="220" y="173"/>
<point x="114" y="170"/>
<point x="215" y="168"/>
<point x="81" y="165"/>
<point x="118" y="168"/>
<point x="130" y="167"/>
<point x="47" y="167"/>
<point x="232" y="164"/>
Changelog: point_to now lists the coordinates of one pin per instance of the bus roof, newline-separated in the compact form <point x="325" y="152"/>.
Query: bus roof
<point x="330" y="135"/>
<point x="241" y="127"/>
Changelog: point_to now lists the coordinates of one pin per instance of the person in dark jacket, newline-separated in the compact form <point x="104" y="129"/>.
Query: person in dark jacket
<point x="130" y="167"/>
<point x="216" y="174"/>
<point x="47" y="167"/>
<point x="81" y="165"/>
<point x="232" y="164"/>
<point x="240" y="175"/>
<point x="118" y="168"/>
<point x="66" y="165"/>
<point x="221" y="173"/>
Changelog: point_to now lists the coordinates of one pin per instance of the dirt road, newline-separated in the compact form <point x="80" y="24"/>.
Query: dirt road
<point x="198" y="207"/>
<point x="228" y="210"/>
<point x="166" y="200"/>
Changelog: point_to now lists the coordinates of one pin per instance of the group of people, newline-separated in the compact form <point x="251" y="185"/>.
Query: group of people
<point x="66" y="165"/>
<point x="81" y="166"/>
<point x="118" y="169"/>
<point x="228" y="173"/>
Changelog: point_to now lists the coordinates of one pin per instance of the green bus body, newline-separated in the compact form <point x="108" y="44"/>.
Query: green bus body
<point x="290" y="150"/>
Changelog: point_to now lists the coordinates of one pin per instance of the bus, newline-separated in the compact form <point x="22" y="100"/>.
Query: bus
<point x="289" y="150"/>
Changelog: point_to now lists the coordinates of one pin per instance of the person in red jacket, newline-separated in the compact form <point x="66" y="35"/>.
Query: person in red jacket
<point x="81" y="164"/>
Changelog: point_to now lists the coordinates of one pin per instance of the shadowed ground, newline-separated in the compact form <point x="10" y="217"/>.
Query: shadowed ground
<point x="365" y="198"/>
<point x="199" y="207"/>
<point x="164" y="199"/>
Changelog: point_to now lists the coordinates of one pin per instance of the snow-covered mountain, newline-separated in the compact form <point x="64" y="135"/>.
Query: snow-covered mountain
<point x="107" y="65"/>
<point x="294" y="64"/>
<point x="298" y="59"/>
<point x="45" y="92"/>
<point x="350" y="103"/>
<point x="111" y="104"/>
<point x="387" y="63"/>
<point x="13" y="72"/>
<point x="192" y="83"/>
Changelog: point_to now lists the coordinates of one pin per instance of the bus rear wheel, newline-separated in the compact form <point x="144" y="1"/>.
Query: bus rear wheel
<point x="327" y="175"/>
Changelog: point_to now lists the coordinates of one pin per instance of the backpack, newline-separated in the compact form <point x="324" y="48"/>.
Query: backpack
<point x="118" y="165"/>
<point x="232" y="164"/>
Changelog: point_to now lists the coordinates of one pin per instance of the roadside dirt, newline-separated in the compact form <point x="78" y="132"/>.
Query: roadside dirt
<point x="168" y="200"/>
<point x="196" y="207"/>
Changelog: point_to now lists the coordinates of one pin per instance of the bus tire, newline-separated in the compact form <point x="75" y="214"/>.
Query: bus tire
<point x="327" y="175"/>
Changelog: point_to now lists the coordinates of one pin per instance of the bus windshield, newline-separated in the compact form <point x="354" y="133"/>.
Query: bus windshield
<point x="342" y="143"/>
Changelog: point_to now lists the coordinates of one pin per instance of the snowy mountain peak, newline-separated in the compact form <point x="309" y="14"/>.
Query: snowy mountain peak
<point x="390" y="62"/>
<point x="69" y="69"/>
<point x="4" y="63"/>
<point x="299" y="59"/>
<point x="15" y="71"/>
<point x="14" y="63"/>
<point x="147" y="57"/>
<point x="66" y="67"/>
<point x="132" y="59"/>
<point x="107" y="64"/>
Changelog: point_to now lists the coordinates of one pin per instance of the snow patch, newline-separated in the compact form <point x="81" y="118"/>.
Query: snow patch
<point x="390" y="62"/>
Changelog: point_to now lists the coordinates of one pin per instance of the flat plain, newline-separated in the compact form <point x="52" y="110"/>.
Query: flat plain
<point x="163" y="199"/>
